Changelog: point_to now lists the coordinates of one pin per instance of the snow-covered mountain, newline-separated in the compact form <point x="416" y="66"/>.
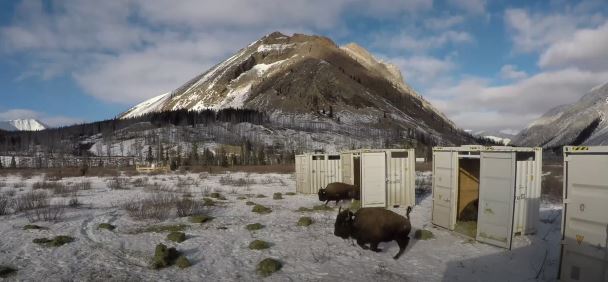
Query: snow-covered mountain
<point x="22" y="125"/>
<point x="496" y="136"/>
<point x="308" y="78"/>
<point x="581" y="123"/>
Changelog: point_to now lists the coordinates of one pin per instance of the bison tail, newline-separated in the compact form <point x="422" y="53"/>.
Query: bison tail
<point x="409" y="209"/>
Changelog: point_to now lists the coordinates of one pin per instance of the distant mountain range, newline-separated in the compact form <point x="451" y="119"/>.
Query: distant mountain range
<point x="496" y="136"/>
<point x="22" y="125"/>
<point x="581" y="123"/>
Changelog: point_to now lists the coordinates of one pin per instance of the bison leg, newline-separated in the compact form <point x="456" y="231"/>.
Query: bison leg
<point x="374" y="247"/>
<point x="337" y="202"/>
<point x="326" y="202"/>
<point x="403" y="242"/>
<point x="362" y="245"/>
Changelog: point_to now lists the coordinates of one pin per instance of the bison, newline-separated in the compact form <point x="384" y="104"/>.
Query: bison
<point x="374" y="225"/>
<point x="338" y="191"/>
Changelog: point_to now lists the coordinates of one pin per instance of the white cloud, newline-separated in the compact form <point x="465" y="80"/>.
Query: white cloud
<point x="49" y="120"/>
<point x="422" y="69"/>
<point x="446" y="22"/>
<point x="532" y="32"/>
<point x="477" y="7"/>
<point x="586" y="49"/>
<point x="476" y="104"/>
<point x="241" y="13"/>
<point x="128" y="50"/>
<point x="74" y="26"/>
<point x="265" y="13"/>
<point x="383" y="8"/>
<point x="18" y="114"/>
<point x="512" y="73"/>
<point x="138" y="75"/>
<point x="423" y="43"/>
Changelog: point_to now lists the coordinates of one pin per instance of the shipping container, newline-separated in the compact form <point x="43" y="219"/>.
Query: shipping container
<point x="489" y="193"/>
<point x="314" y="171"/>
<point x="584" y="247"/>
<point x="387" y="177"/>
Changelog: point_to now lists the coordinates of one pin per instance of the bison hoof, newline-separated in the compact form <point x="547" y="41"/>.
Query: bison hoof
<point x="377" y="250"/>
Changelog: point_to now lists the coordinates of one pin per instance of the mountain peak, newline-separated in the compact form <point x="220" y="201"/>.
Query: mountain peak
<point x="365" y="57"/>
<point x="22" y="125"/>
<point x="305" y="76"/>
<point x="275" y="34"/>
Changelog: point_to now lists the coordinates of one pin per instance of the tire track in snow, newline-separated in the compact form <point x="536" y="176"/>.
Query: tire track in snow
<point x="119" y="261"/>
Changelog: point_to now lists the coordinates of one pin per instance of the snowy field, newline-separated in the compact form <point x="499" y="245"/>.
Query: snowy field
<point x="218" y="249"/>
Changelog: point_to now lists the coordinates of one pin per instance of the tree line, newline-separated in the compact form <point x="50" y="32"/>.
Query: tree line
<point x="72" y="139"/>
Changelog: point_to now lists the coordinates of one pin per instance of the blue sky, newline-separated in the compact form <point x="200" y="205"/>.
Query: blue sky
<point x="486" y="64"/>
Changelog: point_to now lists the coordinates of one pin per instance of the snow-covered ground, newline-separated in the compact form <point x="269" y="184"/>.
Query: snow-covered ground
<point x="219" y="249"/>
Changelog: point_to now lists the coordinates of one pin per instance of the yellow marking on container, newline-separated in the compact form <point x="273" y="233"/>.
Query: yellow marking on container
<point x="579" y="239"/>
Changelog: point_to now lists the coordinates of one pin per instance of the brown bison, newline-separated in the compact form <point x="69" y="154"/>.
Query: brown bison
<point x="374" y="225"/>
<point x="338" y="191"/>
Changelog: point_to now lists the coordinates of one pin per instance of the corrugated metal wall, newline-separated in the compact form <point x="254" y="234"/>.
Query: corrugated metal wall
<point x="347" y="168"/>
<point x="396" y="185"/>
<point x="318" y="166"/>
<point x="584" y="246"/>
<point x="302" y="174"/>
<point x="333" y="171"/>
<point x="316" y="171"/>
<point x="373" y="179"/>
<point x="400" y="177"/>
<point x="526" y="199"/>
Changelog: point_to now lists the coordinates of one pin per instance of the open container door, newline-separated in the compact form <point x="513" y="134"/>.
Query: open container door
<point x="585" y="217"/>
<point x="496" y="198"/>
<point x="444" y="187"/>
<point x="302" y="174"/>
<point x="347" y="168"/>
<point x="373" y="179"/>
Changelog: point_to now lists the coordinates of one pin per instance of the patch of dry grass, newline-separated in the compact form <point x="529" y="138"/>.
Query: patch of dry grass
<point x="156" y="206"/>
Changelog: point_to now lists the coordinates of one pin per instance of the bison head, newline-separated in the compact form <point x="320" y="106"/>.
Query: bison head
<point x="343" y="227"/>
<point x="322" y="195"/>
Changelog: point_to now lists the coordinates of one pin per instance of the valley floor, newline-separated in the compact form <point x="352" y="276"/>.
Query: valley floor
<point x="219" y="249"/>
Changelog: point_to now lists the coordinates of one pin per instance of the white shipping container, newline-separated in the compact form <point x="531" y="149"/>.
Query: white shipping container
<point x="386" y="176"/>
<point x="584" y="247"/>
<point x="490" y="193"/>
<point x="314" y="171"/>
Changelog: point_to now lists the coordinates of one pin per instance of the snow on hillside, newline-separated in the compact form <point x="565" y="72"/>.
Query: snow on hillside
<point x="218" y="249"/>
<point x="503" y="136"/>
<point x="148" y="106"/>
<point x="131" y="142"/>
<point x="504" y="141"/>
<point x="22" y="125"/>
<point x="581" y="123"/>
